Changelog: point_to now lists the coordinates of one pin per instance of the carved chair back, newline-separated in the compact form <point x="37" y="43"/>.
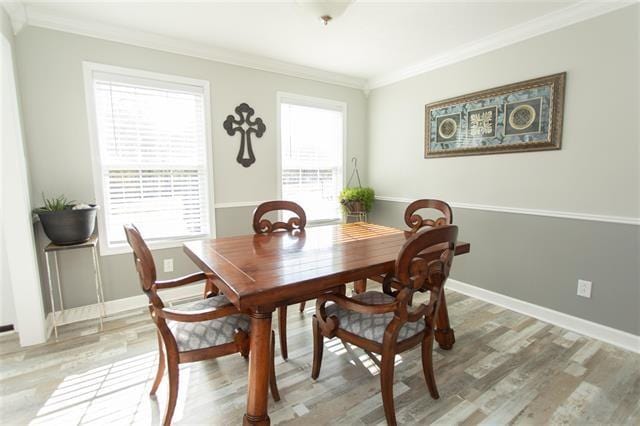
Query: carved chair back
<point x="415" y="221"/>
<point x="145" y="266"/>
<point x="417" y="268"/>
<point x="265" y="226"/>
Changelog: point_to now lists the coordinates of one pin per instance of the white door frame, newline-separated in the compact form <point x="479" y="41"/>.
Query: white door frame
<point x="16" y="230"/>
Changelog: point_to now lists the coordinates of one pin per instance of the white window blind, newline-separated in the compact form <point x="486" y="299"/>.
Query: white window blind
<point x="153" y="157"/>
<point x="312" y="157"/>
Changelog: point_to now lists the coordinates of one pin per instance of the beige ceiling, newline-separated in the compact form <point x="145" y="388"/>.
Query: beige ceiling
<point x="370" y="40"/>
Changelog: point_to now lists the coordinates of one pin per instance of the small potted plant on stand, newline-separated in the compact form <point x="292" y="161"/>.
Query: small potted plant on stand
<point x="356" y="201"/>
<point x="66" y="222"/>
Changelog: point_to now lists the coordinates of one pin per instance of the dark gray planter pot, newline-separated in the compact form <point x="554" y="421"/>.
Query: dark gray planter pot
<point x="69" y="226"/>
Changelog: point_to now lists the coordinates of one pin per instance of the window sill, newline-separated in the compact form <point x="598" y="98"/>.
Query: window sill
<point x="154" y="245"/>
<point x="323" y="222"/>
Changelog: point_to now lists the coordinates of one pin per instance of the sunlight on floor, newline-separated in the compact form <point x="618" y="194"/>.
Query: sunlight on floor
<point x="117" y="392"/>
<point x="368" y="360"/>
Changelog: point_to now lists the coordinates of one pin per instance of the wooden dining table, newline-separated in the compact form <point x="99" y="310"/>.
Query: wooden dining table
<point x="259" y="273"/>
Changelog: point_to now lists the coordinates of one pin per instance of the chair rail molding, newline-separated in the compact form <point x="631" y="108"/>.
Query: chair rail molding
<point x="572" y="14"/>
<point x="588" y="328"/>
<point x="627" y="220"/>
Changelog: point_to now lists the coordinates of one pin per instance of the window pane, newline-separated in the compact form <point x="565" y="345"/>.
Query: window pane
<point x="311" y="144"/>
<point x="153" y="157"/>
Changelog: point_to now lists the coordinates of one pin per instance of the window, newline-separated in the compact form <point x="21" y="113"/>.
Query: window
<point x="312" y="134"/>
<point x="151" y="167"/>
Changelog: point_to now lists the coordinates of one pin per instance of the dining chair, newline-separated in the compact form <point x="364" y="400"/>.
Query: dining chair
<point x="415" y="222"/>
<point x="384" y="322"/>
<point x="204" y="329"/>
<point x="261" y="225"/>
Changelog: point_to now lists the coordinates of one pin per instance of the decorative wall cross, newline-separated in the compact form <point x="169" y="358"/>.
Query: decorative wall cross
<point x="245" y="126"/>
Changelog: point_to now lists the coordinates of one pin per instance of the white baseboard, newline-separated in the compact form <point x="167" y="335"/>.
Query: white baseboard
<point x="117" y="306"/>
<point x="610" y="335"/>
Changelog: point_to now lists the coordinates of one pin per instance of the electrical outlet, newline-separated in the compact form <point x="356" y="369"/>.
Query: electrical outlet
<point x="168" y="265"/>
<point x="584" y="288"/>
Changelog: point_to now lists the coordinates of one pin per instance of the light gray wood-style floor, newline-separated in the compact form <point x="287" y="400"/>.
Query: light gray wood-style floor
<point x="505" y="368"/>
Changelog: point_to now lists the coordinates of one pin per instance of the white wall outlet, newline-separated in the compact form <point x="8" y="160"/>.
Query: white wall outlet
<point x="168" y="265"/>
<point x="584" y="288"/>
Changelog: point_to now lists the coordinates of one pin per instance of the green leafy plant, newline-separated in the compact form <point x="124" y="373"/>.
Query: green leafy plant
<point x="351" y="197"/>
<point x="56" y="204"/>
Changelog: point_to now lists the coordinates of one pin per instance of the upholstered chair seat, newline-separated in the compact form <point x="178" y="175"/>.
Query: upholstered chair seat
<point x="205" y="334"/>
<point x="371" y="326"/>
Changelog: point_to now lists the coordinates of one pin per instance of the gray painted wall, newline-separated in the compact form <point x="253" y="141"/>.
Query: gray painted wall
<point x="533" y="258"/>
<point x="57" y="138"/>
<point x="539" y="260"/>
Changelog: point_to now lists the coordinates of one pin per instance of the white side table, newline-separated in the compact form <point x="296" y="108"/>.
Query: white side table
<point x="54" y="248"/>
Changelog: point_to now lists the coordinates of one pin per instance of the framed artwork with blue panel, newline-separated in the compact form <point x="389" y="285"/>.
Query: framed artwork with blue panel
<point x="519" y="117"/>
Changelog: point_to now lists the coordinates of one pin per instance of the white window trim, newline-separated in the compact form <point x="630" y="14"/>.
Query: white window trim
<point x="318" y="103"/>
<point x="88" y="69"/>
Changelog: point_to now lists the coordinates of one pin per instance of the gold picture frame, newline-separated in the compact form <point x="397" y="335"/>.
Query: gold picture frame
<point x="519" y="117"/>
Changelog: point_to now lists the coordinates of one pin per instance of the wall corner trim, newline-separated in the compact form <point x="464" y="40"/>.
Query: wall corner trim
<point x="17" y="15"/>
<point x="626" y="220"/>
<point x="622" y="339"/>
<point x="572" y="14"/>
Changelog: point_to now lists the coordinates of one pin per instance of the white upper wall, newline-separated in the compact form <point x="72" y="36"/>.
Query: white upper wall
<point x="595" y="172"/>
<point x="57" y="135"/>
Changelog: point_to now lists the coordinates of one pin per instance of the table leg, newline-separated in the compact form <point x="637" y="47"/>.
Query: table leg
<point x="443" y="332"/>
<point x="360" y="286"/>
<point x="259" y="367"/>
<point x="53" y="305"/>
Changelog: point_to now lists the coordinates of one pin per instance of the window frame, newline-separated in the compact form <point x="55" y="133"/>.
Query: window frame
<point x="315" y="102"/>
<point x="96" y="162"/>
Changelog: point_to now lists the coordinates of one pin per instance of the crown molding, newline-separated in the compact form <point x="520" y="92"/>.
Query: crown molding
<point x="39" y="17"/>
<point x="17" y="15"/>
<point x="626" y="220"/>
<point x="564" y="17"/>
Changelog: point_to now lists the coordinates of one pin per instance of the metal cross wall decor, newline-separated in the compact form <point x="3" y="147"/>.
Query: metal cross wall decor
<point x="245" y="126"/>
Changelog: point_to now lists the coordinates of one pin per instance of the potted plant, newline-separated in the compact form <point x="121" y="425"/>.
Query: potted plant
<point x="66" y="222"/>
<point x="357" y="200"/>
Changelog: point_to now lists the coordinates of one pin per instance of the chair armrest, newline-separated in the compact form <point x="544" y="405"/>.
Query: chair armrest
<point x="355" y="305"/>
<point x="188" y="279"/>
<point x="197" y="316"/>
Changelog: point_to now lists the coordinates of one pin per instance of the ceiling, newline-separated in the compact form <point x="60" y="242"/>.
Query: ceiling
<point x="371" y="40"/>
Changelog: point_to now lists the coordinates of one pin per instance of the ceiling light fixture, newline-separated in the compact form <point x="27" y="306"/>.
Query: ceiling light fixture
<point x="325" y="10"/>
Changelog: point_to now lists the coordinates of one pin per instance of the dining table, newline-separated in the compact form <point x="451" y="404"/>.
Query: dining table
<point x="260" y="272"/>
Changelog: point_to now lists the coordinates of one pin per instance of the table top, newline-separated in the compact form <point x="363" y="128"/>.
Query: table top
<point x="271" y="269"/>
<point x="91" y="242"/>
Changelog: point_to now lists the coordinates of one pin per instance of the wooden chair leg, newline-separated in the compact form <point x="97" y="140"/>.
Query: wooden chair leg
<point x="273" y="384"/>
<point x="282" y="330"/>
<point x="427" y="364"/>
<point x="318" y="341"/>
<point x="386" y="386"/>
<point x="173" y="389"/>
<point x="161" y="365"/>
<point x="302" y="306"/>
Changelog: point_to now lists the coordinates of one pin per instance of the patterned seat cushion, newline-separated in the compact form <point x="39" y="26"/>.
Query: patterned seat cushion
<point x="371" y="326"/>
<point x="198" y="335"/>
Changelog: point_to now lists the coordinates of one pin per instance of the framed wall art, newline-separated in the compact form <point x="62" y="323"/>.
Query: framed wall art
<point x="525" y="116"/>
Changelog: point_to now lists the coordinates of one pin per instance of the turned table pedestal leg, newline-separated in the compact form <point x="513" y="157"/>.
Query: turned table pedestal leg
<point x="259" y="367"/>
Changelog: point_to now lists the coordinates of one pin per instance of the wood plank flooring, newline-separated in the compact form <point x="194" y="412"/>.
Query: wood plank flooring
<point x="505" y="368"/>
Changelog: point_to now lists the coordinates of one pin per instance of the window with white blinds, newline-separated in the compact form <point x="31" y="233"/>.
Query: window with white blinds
<point x="311" y="147"/>
<point x="153" y="169"/>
